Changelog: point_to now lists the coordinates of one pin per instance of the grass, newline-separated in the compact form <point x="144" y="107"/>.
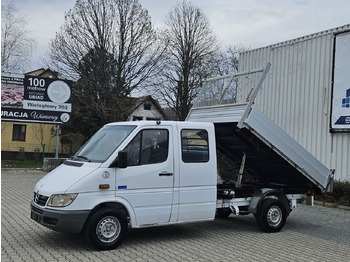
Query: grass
<point x="339" y="196"/>
<point x="21" y="164"/>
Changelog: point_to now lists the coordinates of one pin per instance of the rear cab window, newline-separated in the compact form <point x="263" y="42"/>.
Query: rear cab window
<point x="194" y="145"/>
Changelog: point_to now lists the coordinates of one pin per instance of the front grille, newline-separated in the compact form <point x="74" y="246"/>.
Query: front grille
<point x="40" y="199"/>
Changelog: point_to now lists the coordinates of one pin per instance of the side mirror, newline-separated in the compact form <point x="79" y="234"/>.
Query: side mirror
<point x="122" y="159"/>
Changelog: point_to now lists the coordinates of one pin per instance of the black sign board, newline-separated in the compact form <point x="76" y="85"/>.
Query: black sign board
<point x="35" y="99"/>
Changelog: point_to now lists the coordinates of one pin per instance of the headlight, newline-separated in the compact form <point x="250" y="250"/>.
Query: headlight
<point x="61" y="200"/>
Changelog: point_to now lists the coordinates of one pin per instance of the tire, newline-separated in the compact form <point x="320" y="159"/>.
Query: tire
<point x="223" y="212"/>
<point x="106" y="228"/>
<point x="271" y="216"/>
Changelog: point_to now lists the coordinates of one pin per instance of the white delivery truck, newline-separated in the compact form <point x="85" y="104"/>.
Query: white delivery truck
<point x="152" y="173"/>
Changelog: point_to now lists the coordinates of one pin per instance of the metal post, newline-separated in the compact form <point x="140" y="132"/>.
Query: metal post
<point x="43" y="152"/>
<point x="57" y="140"/>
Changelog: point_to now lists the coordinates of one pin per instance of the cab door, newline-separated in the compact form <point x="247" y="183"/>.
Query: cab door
<point x="148" y="181"/>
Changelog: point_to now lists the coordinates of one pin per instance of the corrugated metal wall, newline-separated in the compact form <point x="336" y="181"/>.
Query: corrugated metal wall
<point x="297" y="95"/>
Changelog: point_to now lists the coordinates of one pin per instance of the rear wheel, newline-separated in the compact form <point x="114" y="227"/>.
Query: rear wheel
<point x="271" y="216"/>
<point x="106" y="228"/>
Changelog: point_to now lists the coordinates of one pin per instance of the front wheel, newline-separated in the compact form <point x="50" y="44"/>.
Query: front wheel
<point x="271" y="216"/>
<point x="106" y="228"/>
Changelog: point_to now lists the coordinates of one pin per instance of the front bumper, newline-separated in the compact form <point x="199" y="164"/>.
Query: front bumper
<point x="59" y="220"/>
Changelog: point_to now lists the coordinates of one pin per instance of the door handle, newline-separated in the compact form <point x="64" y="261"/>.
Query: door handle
<point x="164" y="173"/>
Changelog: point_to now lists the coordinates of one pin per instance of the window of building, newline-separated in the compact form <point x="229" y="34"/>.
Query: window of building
<point x="19" y="132"/>
<point x="137" y="118"/>
<point x="153" y="119"/>
<point x="195" y="146"/>
<point x="147" y="106"/>
<point x="150" y="146"/>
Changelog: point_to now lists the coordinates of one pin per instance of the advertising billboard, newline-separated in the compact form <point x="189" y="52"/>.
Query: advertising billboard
<point x="341" y="84"/>
<point x="26" y="98"/>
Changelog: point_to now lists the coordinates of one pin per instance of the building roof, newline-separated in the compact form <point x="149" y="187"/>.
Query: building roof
<point x="42" y="72"/>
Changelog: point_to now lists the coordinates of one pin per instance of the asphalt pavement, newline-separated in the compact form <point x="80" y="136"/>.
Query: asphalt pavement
<point x="310" y="234"/>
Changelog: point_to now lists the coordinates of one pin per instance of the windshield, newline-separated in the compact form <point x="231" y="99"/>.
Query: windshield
<point x="103" y="143"/>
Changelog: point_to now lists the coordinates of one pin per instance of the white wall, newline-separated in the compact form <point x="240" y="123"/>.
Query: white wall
<point x="297" y="95"/>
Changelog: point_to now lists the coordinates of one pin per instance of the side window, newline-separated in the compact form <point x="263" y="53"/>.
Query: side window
<point x="194" y="144"/>
<point x="150" y="146"/>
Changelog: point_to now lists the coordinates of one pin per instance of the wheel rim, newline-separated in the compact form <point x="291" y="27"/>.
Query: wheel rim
<point x="274" y="216"/>
<point x="108" y="229"/>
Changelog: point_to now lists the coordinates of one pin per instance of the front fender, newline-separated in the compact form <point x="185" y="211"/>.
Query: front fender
<point x="92" y="200"/>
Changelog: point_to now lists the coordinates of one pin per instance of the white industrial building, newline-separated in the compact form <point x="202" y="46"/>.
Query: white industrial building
<point x="307" y="93"/>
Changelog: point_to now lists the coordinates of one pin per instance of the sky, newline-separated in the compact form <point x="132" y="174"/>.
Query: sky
<point x="244" y="23"/>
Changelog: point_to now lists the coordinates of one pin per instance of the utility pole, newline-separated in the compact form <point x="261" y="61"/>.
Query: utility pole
<point x="57" y="140"/>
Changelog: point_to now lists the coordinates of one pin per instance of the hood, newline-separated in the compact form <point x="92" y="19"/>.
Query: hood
<point x="63" y="177"/>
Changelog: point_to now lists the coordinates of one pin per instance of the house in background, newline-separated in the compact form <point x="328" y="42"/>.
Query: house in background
<point x="146" y="108"/>
<point x="21" y="140"/>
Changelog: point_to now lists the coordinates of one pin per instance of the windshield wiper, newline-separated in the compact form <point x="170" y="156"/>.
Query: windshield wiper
<point x="82" y="157"/>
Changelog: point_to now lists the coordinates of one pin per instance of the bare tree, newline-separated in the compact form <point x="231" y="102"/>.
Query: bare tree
<point x="226" y="62"/>
<point x="121" y="28"/>
<point x="110" y="48"/>
<point x="191" y="44"/>
<point x="16" y="45"/>
<point x="39" y="133"/>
